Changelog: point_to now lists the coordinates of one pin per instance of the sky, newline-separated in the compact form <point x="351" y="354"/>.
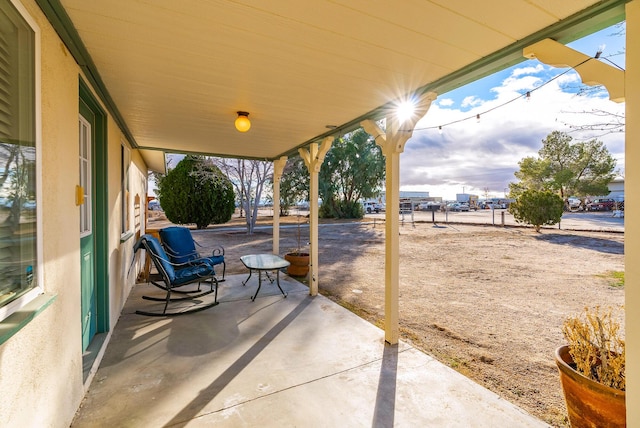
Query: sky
<point x="480" y="157"/>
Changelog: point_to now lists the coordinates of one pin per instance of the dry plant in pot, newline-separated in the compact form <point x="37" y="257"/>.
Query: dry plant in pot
<point x="592" y="369"/>
<point x="298" y="259"/>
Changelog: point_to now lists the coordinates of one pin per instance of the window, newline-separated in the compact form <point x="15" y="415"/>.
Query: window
<point x="125" y="159"/>
<point x="86" y="226"/>
<point x="19" y="171"/>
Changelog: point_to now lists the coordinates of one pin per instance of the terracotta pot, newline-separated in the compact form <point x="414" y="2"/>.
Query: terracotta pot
<point x="299" y="263"/>
<point x="589" y="403"/>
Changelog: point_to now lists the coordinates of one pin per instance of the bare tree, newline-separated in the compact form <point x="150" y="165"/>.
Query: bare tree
<point x="248" y="178"/>
<point x="607" y="123"/>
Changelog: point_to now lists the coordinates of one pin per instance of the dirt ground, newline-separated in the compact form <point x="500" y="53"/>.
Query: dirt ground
<point x="487" y="301"/>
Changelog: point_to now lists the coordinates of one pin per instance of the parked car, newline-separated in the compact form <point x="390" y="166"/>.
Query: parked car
<point x="491" y="205"/>
<point x="573" y="204"/>
<point x="371" y="207"/>
<point x="606" y="204"/>
<point x="457" y="206"/>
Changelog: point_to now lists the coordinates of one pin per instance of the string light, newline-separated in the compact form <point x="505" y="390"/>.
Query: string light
<point x="526" y="96"/>
<point x="440" y="130"/>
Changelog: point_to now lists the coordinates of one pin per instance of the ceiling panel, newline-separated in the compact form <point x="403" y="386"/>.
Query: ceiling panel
<point x="179" y="71"/>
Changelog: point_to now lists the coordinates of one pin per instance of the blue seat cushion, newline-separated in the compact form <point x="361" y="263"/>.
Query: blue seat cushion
<point x="179" y="243"/>
<point x="160" y="255"/>
<point x="181" y="246"/>
<point x="192" y="273"/>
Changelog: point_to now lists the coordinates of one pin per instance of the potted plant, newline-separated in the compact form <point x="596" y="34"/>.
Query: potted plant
<point x="592" y="370"/>
<point x="298" y="259"/>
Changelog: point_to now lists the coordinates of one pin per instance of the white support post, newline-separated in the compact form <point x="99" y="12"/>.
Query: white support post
<point x="278" y="168"/>
<point x="313" y="159"/>
<point x="392" y="142"/>
<point x="632" y="212"/>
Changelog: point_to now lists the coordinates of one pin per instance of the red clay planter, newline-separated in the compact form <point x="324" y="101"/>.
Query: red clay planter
<point x="589" y="403"/>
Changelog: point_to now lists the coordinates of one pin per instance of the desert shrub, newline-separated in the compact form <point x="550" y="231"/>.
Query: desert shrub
<point x="196" y="191"/>
<point x="597" y="347"/>
<point x="537" y="208"/>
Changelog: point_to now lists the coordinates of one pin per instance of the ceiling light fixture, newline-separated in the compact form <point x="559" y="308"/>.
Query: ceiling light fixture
<point x="243" y="124"/>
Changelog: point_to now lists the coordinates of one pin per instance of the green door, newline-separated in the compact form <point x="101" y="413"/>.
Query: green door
<point x="87" y="243"/>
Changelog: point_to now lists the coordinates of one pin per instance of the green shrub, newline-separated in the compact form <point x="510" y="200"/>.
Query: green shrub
<point x="341" y="209"/>
<point x="537" y="208"/>
<point x="196" y="191"/>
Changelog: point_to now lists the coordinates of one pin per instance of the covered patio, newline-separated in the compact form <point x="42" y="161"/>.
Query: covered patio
<point x="295" y="361"/>
<point x="174" y="76"/>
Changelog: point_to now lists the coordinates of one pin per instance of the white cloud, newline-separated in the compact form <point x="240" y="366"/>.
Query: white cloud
<point x="516" y="86"/>
<point x="569" y="78"/>
<point x="445" y="102"/>
<point x="476" y="156"/>
<point x="527" y="70"/>
<point x="471" y="101"/>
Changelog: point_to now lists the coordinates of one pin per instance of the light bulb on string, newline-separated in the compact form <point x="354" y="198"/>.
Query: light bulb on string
<point x="478" y="118"/>
<point x="528" y="96"/>
<point x="440" y="130"/>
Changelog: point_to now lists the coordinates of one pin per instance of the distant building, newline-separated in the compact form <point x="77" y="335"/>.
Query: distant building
<point x="414" y="195"/>
<point x="616" y="188"/>
<point x="410" y="198"/>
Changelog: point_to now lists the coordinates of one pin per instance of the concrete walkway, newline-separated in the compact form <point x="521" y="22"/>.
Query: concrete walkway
<point x="276" y="362"/>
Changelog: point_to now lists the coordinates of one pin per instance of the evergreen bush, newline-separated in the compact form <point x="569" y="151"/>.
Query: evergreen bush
<point x="196" y="191"/>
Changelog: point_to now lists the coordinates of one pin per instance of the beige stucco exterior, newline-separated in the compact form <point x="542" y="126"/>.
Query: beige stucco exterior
<point x="41" y="365"/>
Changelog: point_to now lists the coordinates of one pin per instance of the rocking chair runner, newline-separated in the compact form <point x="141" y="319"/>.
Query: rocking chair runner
<point x="181" y="248"/>
<point x="178" y="275"/>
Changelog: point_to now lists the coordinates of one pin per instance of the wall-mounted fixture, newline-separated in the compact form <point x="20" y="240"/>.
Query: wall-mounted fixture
<point x="79" y="195"/>
<point x="242" y="121"/>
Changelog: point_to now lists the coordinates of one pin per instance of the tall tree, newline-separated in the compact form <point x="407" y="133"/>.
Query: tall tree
<point x="195" y="191"/>
<point x="353" y="169"/>
<point x="248" y="178"/>
<point x="294" y="185"/>
<point x="569" y="169"/>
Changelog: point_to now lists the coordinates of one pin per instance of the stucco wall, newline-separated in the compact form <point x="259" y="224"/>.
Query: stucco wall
<point x="41" y="366"/>
<point x="121" y="251"/>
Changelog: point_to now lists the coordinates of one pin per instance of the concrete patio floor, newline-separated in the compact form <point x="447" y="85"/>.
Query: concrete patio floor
<point x="276" y="362"/>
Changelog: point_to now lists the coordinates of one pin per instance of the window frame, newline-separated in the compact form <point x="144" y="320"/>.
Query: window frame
<point x="125" y="206"/>
<point x="86" y="212"/>
<point x="38" y="287"/>
<point x="125" y="183"/>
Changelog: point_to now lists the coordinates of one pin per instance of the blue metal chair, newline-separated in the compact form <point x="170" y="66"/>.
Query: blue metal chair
<point x="176" y="275"/>
<point x="181" y="248"/>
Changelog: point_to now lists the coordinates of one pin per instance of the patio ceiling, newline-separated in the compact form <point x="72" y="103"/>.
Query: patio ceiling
<point x="175" y="73"/>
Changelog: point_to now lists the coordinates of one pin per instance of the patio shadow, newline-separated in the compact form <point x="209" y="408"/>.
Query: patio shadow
<point x="384" y="411"/>
<point x="192" y="409"/>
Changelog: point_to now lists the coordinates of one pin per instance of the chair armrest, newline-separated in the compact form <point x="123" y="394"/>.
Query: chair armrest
<point x="217" y="250"/>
